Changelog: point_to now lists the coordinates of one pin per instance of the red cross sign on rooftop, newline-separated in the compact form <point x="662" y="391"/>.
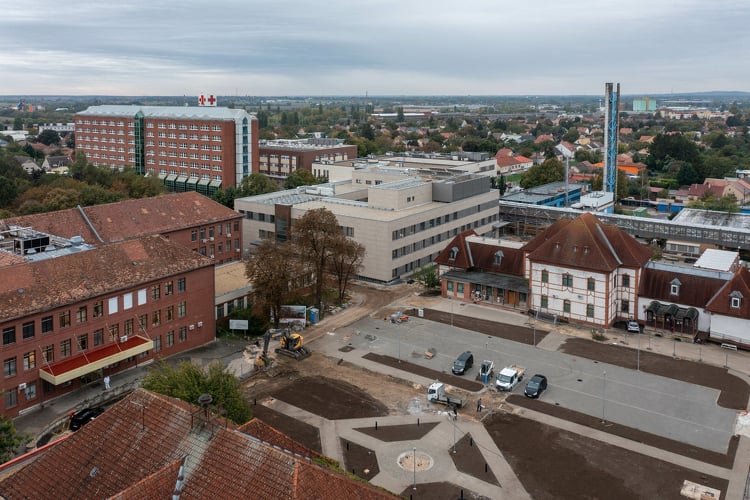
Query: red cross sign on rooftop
<point x="202" y="100"/>
<point x="211" y="100"/>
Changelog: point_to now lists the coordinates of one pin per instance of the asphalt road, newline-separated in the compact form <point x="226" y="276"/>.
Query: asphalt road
<point x="662" y="406"/>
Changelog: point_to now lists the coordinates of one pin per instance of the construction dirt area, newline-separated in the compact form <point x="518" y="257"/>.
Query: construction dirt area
<point x="550" y="463"/>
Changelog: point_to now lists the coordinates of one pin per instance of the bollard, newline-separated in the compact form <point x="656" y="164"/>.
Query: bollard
<point x="485" y="467"/>
<point x="471" y="441"/>
<point x="417" y="422"/>
<point x="376" y="425"/>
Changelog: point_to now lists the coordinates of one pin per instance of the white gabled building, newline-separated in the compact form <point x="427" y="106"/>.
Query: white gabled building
<point x="585" y="271"/>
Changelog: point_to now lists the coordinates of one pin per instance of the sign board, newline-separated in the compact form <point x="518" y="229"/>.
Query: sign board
<point x="292" y="314"/>
<point x="238" y="324"/>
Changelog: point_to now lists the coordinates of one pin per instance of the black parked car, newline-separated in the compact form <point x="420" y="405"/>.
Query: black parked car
<point x="535" y="386"/>
<point x="463" y="362"/>
<point x="83" y="417"/>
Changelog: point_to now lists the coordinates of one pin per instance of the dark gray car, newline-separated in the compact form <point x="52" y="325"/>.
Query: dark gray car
<point x="463" y="362"/>
<point x="535" y="386"/>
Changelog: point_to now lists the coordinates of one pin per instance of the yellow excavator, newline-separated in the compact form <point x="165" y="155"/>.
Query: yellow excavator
<point x="290" y="344"/>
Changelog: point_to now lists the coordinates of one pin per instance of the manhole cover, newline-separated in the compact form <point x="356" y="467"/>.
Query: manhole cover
<point x="415" y="462"/>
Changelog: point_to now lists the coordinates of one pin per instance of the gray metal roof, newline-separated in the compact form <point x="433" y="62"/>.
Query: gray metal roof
<point x="182" y="112"/>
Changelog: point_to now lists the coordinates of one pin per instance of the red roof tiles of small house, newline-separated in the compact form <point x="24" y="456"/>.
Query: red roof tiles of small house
<point x="506" y="161"/>
<point x="503" y="152"/>
<point x="694" y="290"/>
<point x="481" y="255"/>
<point x="543" y="137"/>
<point x="737" y="287"/>
<point x="587" y="243"/>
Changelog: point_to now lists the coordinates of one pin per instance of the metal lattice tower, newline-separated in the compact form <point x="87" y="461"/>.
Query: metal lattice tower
<point x="611" y="129"/>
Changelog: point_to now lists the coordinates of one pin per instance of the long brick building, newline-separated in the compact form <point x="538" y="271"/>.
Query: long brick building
<point x="190" y="148"/>
<point x="72" y="313"/>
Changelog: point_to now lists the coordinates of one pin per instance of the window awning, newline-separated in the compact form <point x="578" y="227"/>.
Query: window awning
<point x="81" y="364"/>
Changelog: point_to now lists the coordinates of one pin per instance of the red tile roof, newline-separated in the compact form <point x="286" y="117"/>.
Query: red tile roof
<point x="129" y="219"/>
<point x="136" y="447"/>
<point x="739" y="286"/>
<point x="264" y="432"/>
<point x="694" y="290"/>
<point x="480" y="256"/>
<point x="54" y="282"/>
<point x="587" y="243"/>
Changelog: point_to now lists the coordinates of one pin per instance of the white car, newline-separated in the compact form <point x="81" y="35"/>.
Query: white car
<point x="633" y="327"/>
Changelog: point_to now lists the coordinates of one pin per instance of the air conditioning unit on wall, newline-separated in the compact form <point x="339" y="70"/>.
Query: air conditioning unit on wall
<point x="124" y="338"/>
<point x="192" y="327"/>
<point x="22" y="386"/>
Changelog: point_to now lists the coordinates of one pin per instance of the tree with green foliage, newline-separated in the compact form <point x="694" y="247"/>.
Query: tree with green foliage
<point x="668" y="147"/>
<point x="710" y="201"/>
<point x="551" y="170"/>
<point x="188" y="382"/>
<point x="255" y="184"/>
<point x="687" y="175"/>
<point x="301" y="177"/>
<point x="427" y="276"/>
<point x="48" y="137"/>
<point x="10" y="439"/>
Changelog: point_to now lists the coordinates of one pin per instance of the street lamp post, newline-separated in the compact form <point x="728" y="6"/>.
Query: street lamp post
<point x="638" y="367"/>
<point x="604" y="394"/>
<point x="454" y="436"/>
<point x="534" y="332"/>
<point x="451" y="313"/>
<point x="414" y="464"/>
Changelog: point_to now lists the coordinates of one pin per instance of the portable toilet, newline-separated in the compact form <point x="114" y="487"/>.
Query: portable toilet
<point x="314" y="315"/>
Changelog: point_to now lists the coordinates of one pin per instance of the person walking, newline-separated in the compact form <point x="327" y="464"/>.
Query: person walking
<point x="106" y="383"/>
<point x="479" y="404"/>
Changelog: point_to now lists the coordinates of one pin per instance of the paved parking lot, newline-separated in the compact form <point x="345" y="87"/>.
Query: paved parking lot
<point x="662" y="406"/>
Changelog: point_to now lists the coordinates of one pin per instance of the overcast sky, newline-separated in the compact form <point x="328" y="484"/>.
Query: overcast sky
<point x="383" y="47"/>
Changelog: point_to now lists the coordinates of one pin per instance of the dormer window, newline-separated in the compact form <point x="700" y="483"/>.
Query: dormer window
<point x="674" y="287"/>
<point x="453" y="254"/>
<point x="499" y="257"/>
<point x="735" y="299"/>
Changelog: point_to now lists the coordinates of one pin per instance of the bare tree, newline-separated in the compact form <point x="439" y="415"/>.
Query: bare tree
<point x="346" y="260"/>
<point x="315" y="235"/>
<point x="273" y="270"/>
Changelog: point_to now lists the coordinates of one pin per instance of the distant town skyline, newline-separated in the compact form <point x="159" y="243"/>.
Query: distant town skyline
<point x="379" y="47"/>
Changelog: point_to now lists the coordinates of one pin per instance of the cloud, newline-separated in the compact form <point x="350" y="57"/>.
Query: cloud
<point x="288" y="47"/>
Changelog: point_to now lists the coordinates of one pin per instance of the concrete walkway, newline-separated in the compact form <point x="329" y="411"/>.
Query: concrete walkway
<point x="438" y="444"/>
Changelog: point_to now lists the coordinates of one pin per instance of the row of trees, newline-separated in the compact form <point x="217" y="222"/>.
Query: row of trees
<point x="318" y="254"/>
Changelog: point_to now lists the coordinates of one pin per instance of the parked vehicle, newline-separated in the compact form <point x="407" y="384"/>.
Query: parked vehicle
<point x="436" y="393"/>
<point x="485" y="370"/>
<point x="399" y="317"/>
<point x="83" y="417"/>
<point x="535" y="386"/>
<point x="509" y="377"/>
<point x="463" y="362"/>
<point x="633" y="327"/>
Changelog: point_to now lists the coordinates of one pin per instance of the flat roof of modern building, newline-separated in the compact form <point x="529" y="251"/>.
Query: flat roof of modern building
<point x="719" y="260"/>
<point x="697" y="217"/>
<point x="540" y="193"/>
<point x="180" y="112"/>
